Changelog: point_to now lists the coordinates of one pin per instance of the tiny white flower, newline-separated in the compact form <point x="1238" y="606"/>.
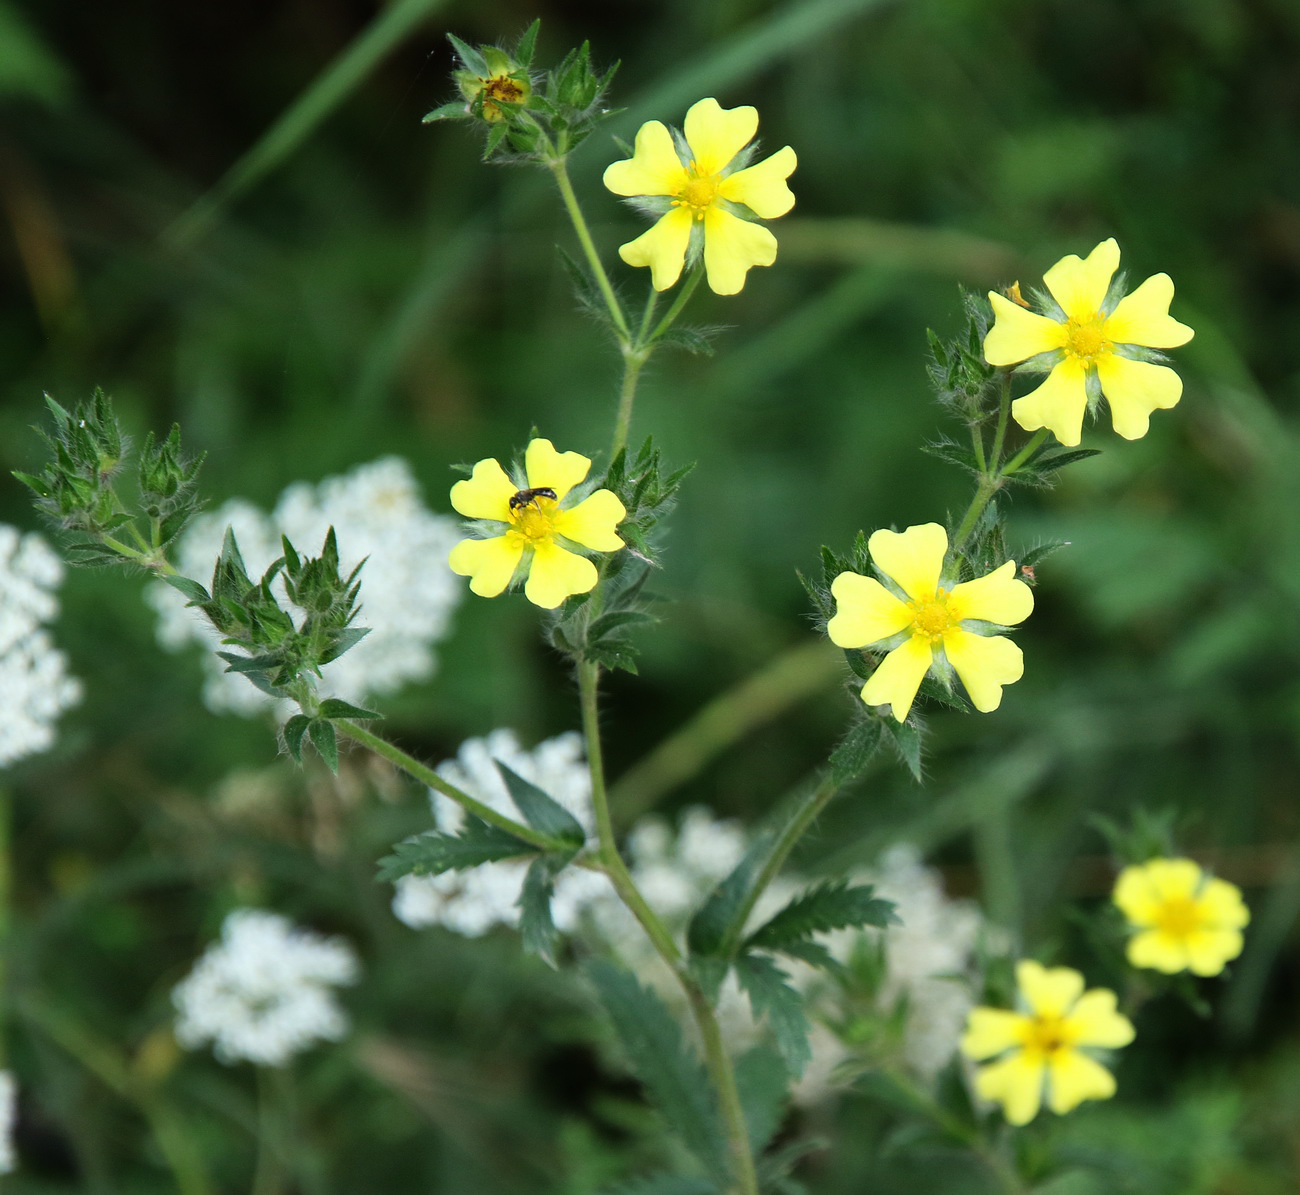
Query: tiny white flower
<point x="8" y="1114"/>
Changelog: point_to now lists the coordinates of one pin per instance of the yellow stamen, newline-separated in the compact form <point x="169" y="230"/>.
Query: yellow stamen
<point x="1178" y="916"/>
<point x="699" y="194"/>
<point x="533" y="520"/>
<point x="932" y="619"/>
<point x="1086" y="341"/>
<point x="1045" y="1036"/>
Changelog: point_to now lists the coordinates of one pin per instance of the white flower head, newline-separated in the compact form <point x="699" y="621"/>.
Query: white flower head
<point x="35" y="687"/>
<point x="264" y="992"/>
<point x="8" y="1114"/>
<point x="407" y="590"/>
<point x="473" y="901"/>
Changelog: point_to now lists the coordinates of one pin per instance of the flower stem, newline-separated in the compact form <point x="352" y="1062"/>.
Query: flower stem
<point x="560" y="171"/>
<point x="633" y="362"/>
<point x="426" y="775"/>
<point x="683" y="297"/>
<point x="715" y="1053"/>
<point x="1004" y="414"/>
<point x="1025" y="453"/>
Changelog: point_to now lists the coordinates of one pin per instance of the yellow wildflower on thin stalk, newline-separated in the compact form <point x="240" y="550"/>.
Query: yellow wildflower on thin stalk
<point x="1183" y="919"/>
<point x="926" y="622"/>
<point x="705" y="194"/>
<point x="539" y="526"/>
<point x="1094" y="341"/>
<point x="1039" y="1053"/>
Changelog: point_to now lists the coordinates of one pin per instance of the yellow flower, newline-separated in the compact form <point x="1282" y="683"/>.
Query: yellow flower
<point x="1040" y="1047"/>
<point x="705" y="193"/>
<point x="1097" y="344"/>
<point x="1185" y="920"/>
<point x="929" y="624"/>
<point x="537" y="526"/>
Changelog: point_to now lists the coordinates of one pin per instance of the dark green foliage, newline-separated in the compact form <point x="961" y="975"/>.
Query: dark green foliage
<point x="772" y="997"/>
<point x="536" y="925"/>
<point x="435" y="852"/>
<point x="763" y="1082"/>
<point x="674" y="1078"/>
<point x="961" y="377"/>
<point x="665" y="1184"/>
<point x="831" y="905"/>
<point x="855" y="751"/>
<point x="540" y="810"/>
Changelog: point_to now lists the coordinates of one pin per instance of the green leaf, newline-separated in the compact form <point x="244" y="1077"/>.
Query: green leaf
<point x="36" y="484"/>
<point x="696" y="340"/>
<point x="1041" y="552"/>
<point x="433" y="853"/>
<point x="830" y="905"/>
<point x="324" y="740"/>
<point x="1046" y="462"/>
<point x="770" y="996"/>
<point x="815" y="955"/>
<point x="763" y="1083"/>
<point x="665" y="1184"/>
<point x="540" y="811"/>
<point x="470" y="58"/>
<point x="453" y="111"/>
<point x="535" y="921"/>
<point x="954" y="454"/>
<point x="673" y="1077"/>
<point x="334" y="707"/>
<point x="528" y="44"/>
<point x="906" y="740"/>
<point x="294" y="729"/>
<point x="855" y="751"/>
<point x="615" y="619"/>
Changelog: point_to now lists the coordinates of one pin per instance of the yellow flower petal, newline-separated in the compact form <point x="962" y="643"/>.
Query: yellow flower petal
<point x="912" y="559"/>
<point x="556" y="574"/>
<point x="1134" y="389"/>
<point x="989" y="1031"/>
<point x="1073" y="1078"/>
<point x="485" y="494"/>
<point x="662" y="247"/>
<point x="1208" y="950"/>
<point x="1159" y="951"/>
<point x="1080" y="285"/>
<point x="984" y="663"/>
<point x="654" y="167"/>
<point x="761" y="187"/>
<point x="592" y="522"/>
<point x="1050" y="993"/>
<point x="488" y="563"/>
<point x="1018" y="334"/>
<point x="1095" y="1021"/>
<point x="716" y="134"/>
<point x="866" y="612"/>
<point x="998" y="597"/>
<point x="1058" y="404"/>
<point x="1135" y="897"/>
<point x="559" y="471"/>
<point x="1174" y="879"/>
<point x="898" y="676"/>
<point x="1142" y="317"/>
<point x="1016" y="1083"/>
<point x="732" y="246"/>
<point x="1221" y="905"/>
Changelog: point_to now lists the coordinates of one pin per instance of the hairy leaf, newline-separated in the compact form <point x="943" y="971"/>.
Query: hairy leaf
<point x="435" y="852"/>
<point x="830" y="905"/>
<point x="770" y="996"/>
<point x="535" y="921"/>
<point x="324" y="740"/>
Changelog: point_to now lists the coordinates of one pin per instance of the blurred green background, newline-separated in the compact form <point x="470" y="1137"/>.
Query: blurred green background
<point x="231" y="216"/>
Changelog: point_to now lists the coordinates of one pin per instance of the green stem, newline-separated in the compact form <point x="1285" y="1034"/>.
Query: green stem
<point x="977" y="443"/>
<point x="1004" y="415"/>
<point x="715" y="1052"/>
<point x="426" y="775"/>
<point x="683" y="297"/>
<point x="560" y="170"/>
<point x="988" y="486"/>
<point x="790" y="834"/>
<point x="1025" y="453"/>
<point x="268" y="1177"/>
<point x="633" y="362"/>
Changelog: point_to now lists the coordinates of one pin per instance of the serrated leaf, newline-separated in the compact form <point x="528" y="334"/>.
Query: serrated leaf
<point x="293" y="731"/>
<point x="906" y="740"/>
<point x="535" y="921"/>
<point x="607" y="623"/>
<point x="433" y="853"/>
<point x="334" y="707"/>
<point x="344" y="640"/>
<point x="828" y="906"/>
<point x="674" y="1079"/>
<point x="815" y="954"/>
<point x="326" y="742"/>
<point x="763" y="1083"/>
<point x="1041" y="552"/>
<point x="858" y="664"/>
<point x="1049" y="462"/>
<point x="855" y="751"/>
<point x="954" y="454"/>
<point x="771" y="997"/>
<point x="540" y="810"/>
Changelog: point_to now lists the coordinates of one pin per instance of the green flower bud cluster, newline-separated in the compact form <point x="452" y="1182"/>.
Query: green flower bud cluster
<point x="528" y="116"/>
<point x="76" y="490"/>
<point x="958" y="372"/>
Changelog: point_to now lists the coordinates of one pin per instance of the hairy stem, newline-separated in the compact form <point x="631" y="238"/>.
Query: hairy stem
<point x="426" y="775"/>
<point x="633" y="363"/>
<point x="1025" y="453"/>
<point x="560" y="171"/>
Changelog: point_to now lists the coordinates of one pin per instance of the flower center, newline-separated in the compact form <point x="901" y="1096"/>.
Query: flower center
<point x="533" y="518"/>
<point x="699" y="194"/>
<point x="1086" y="341"/>
<point x="1178" y="916"/>
<point x="932" y="619"/>
<point x="500" y="87"/>
<point x="1046" y="1035"/>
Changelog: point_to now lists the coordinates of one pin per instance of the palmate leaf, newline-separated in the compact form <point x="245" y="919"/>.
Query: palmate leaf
<point x="829" y="906"/>
<point x="436" y="852"/>
<point x="673" y="1076"/>
<point x="772" y="997"/>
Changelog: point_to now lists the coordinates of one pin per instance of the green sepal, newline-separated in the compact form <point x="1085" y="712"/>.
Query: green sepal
<point x="470" y="58"/>
<point x="476" y="842"/>
<point x="334" y="707"/>
<point x="527" y="45"/>
<point x="772" y="997"/>
<point x="326" y="742"/>
<point x="456" y="110"/>
<point x="293" y="732"/>
<point x="541" y="811"/>
<point x="855" y="751"/>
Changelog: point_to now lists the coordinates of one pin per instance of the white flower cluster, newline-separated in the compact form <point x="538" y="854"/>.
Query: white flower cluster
<point x="471" y="902"/>
<point x="8" y="1114"/>
<point x="35" y="687"/>
<point x="407" y="590"/>
<point x="264" y="992"/>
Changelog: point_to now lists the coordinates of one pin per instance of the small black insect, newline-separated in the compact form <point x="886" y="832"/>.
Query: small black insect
<point x="524" y="497"/>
